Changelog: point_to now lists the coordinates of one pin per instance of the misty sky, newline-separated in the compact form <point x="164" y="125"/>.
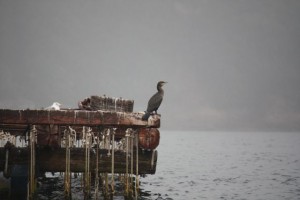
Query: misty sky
<point x="230" y="64"/>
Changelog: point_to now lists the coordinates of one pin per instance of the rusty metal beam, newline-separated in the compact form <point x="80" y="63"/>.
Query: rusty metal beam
<point x="77" y="117"/>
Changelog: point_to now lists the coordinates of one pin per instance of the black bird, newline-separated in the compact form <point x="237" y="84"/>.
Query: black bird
<point x="155" y="101"/>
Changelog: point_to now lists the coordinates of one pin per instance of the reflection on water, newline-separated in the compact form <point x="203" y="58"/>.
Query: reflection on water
<point x="52" y="187"/>
<point x="212" y="165"/>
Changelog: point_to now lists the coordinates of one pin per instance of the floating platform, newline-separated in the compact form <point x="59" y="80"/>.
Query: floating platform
<point x="103" y="136"/>
<point x="51" y="124"/>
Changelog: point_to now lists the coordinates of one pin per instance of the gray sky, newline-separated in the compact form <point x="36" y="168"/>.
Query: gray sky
<point x="230" y="64"/>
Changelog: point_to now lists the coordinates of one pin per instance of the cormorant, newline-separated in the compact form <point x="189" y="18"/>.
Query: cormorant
<point x="155" y="101"/>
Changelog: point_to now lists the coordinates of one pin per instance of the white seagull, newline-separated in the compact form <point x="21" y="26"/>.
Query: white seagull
<point x="55" y="106"/>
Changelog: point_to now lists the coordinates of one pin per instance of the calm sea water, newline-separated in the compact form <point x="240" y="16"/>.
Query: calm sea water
<point x="226" y="165"/>
<point x="216" y="165"/>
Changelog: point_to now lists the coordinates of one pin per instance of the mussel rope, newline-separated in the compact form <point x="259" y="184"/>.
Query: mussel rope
<point x="87" y="179"/>
<point x="108" y="140"/>
<point x="113" y="162"/>
<point x="5" y="173"/>
<point x="104" y="175"/>
<point x="31" y="187"/>
<point x="137" y="163"/>
<point x="97" y="168"/>
<point x="131" y="163"/>
<point x="127" y="153"/>
<point x="67" y="176"/>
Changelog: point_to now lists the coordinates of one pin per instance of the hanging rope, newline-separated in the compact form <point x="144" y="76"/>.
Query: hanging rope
<point x="129" y="153"/>
<point x="113" y="162"/>
<point x="10" y="142"/>
<point x="106" y="193"/>
<point x="88" y="139"/>
<point x="104" y="144"/>
<point x="97" y="140"/>
<point x="107" y="141"/>
<point x="7" y="149"/>
<point x="137" y="163"/>
<point x="69" y="140"/>
<point x="67" y="176"/>
<point x="32" y="182"/>
<point x="131" y="159"/>
<point x="5" y="172"/>
<point x="127" y="135"/>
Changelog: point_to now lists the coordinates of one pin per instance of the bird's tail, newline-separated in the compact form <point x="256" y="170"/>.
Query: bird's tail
<point x="146" y="116"/>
